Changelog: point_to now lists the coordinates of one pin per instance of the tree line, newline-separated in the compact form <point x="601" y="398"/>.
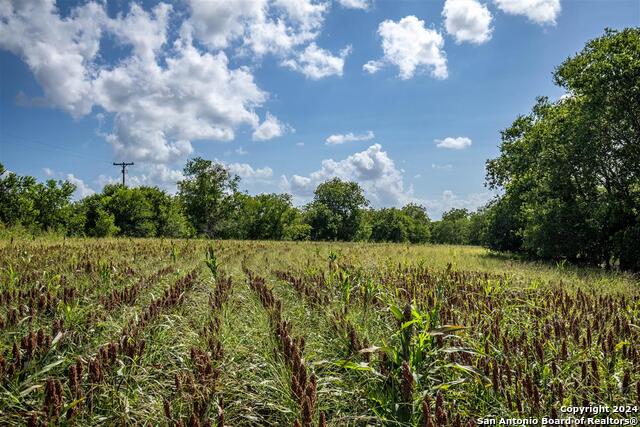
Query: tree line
<point x="209" y="204"/>
<point x="568" y="174"/>
<point x="569" y="171"/>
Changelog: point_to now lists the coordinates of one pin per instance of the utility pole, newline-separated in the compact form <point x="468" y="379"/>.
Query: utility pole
<point x="124" y="168"/>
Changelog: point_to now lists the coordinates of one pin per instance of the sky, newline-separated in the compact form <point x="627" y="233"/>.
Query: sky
<point x="407" y="98"/>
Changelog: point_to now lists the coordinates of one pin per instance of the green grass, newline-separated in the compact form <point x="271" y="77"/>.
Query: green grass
<point x="514" y="316"/>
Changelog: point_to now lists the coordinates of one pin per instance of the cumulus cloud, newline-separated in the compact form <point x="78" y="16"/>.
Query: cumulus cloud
<point x="82" y="189"/>
<point x="317" y="63"/>
<point x="449" y="200"/>
<point x="467" y="21"/>
<point x="260" y="26"/>
<point x="58" y="51"/>
<point x="348" y="137"/>
<point x="270" y="128"/>
<point x="373" y="66"/>
<point x="217" y="23"/>
<point x="412" y="47"/>
<point x="372" y="168"/>
<point x="248" y="172"/>
<point x="355" y="4"/>
<point x="538" y="11"/>
<point x="457" y="143"/>
<point x="161" y="98"/>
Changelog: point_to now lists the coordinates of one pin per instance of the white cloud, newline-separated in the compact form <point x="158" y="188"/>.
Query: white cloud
<point x="261" y="26"/>
<point x="217" y="22"/>
<point x="270" y="128"/>
<point x="355" y="4"/>
<point x="241" y="151"/>
<point x="317" y="63"/>
<point x="411" y="47"/>
<point x="457" y="143"/>
<point x="342" y="138"/>
<point x="161" y="99"/>
<point x="441" y="167"/>
<point x="372" y="168"/>
<point x="449" y="200"/>
<point x="145" y="32"/>
<point x="48" y="172"/>
<point x="300" y="144"/>
<point x="82" y="189"/>
<point x="538" y="11"/>
<point x="58" y="51"/>
<point x="467" y="21"/>
<point x="373" y="66"/>
<point x="248" y="172"/>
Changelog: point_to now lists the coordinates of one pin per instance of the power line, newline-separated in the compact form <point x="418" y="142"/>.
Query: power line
<point x="124" y="168"/>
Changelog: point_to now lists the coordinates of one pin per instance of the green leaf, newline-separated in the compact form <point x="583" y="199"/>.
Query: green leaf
<point x="348" y="364"/>
<point x="397" y="313"/>
<point x="469" y="370"/>
<point x="28" y="390"/>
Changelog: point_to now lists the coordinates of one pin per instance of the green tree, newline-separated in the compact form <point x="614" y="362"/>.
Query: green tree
<point x="265" y="216"/>
<point x="453" y="228"/>
<point x="36" y="206"/>
<point x="132" y="211"/>
<point x="570" y="170"/>
<point x="167" y="213"/>
<point x="336" y="210"/>
<point x="208" y="194"/>
<point x="419" y="227"/>
<point x="390" y="225"/>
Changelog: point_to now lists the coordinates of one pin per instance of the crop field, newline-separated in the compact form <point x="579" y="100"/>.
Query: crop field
<point x="204" y="333"/>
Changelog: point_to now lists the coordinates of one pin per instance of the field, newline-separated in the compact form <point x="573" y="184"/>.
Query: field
<point x="195" y="333"/>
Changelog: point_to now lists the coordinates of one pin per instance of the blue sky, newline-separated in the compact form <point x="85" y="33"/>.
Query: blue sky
<point x="406" y="97"/>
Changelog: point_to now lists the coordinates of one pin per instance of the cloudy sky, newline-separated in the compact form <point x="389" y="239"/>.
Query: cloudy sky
<point x="405" y="97"/>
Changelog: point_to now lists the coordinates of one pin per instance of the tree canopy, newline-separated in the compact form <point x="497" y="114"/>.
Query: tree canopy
<point x="570" y="170"/>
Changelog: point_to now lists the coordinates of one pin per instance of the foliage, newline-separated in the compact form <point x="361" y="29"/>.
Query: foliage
<point x="34" y="205"/>
<point x="453" y="228"/>
<point x="336" y="210"/>
<point x="208" y="193"/>
<point x="266" y="217"/>
<point x="570" y="169"/>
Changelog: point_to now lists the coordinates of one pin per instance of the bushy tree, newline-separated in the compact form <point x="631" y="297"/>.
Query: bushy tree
<point x="390" y="225"/>
<point x="265" y="217"/>
<point x="453" y="228"/>
<point x="336" y="210"/>
<point x="419" y="225"/>
<point x="570" y="170"/>
<point x="34" y="205"/>
<point x="209" y="195"/>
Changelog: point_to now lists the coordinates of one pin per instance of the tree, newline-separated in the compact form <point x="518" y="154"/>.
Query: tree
<point x="453" y="228"/>
<point x="265" y="216"/>
<point x="419" y="226"/>
<point x="167" y="213"/>
<point x="36" y="206"/>
<point x="570" y="170"/>
<point x="208" y="194"/>
<point x="132" y="211"/>
<point x="336" y="210"/>
<point x="51" y="201"/>
<point x="390" y="225"/>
